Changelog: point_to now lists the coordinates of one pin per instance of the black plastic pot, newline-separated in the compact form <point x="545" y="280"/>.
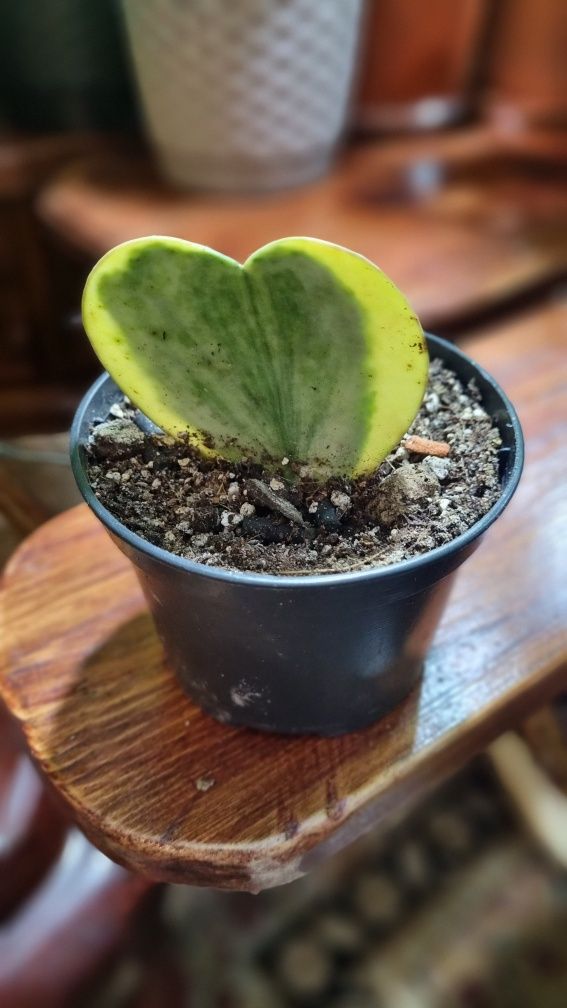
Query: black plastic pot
<point x="319" y="654"/>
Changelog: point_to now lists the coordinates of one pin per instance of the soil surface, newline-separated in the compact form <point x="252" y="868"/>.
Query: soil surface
<point x="242" y="516"/>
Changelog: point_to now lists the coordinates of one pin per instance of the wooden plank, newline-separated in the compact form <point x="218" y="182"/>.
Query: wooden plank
<point x="84" y="673"/>
<point x="524" y="72"/>
<point x="462" y="222"/>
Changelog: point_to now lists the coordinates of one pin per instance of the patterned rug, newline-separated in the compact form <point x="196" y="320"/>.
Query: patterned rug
<point x="452" y="907"/>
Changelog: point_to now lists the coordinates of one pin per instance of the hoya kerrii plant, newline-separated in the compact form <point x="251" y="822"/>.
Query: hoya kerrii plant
<point x="306" y="352"/>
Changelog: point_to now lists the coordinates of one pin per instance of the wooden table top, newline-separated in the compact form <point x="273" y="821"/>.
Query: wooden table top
<point x="162" y="788"/>
<point x="462" y="221"/>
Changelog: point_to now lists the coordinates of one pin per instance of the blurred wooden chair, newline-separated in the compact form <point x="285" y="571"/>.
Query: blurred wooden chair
<point x="63" y="905"/>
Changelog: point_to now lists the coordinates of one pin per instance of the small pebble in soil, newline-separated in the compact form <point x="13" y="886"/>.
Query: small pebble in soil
<point x="327" y="516"/>
<point x="440" y="467"/>
<point x="117" y="439"/>
<point x="281" y="520"/>
<point x="405" y="486"/>
<point x="341" y="501"/>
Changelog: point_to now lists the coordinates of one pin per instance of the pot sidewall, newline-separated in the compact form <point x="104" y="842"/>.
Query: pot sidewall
<point x="308" y="654"/>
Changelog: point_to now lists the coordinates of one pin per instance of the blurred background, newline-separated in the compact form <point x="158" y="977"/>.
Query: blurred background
<point x="431" y="137"/>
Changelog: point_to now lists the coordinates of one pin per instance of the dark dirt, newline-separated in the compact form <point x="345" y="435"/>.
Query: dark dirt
<point x="240" y="516"/>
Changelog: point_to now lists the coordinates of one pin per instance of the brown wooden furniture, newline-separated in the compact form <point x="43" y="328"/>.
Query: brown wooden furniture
<point x="164" y="789"/>
<point x="36" y="382"/>
<point x="418" y="63"/>
<point x="526" y="74"/>
<point x="502" y="57"/>
<point x="26" y="309"/>
<point x="462" y="222"/>
<point x="64" y="906"/>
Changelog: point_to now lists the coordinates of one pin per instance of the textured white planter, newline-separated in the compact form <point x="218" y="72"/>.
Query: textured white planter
<point x="244" y="94"/>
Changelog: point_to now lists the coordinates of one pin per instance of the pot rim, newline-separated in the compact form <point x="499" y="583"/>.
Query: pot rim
<point x="252" y="579"/>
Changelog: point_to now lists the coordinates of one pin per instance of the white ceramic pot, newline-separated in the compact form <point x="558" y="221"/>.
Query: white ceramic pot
<point x="244" y="94"/>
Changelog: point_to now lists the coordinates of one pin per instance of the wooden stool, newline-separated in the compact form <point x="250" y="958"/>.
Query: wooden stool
<point x="163" y="789"/>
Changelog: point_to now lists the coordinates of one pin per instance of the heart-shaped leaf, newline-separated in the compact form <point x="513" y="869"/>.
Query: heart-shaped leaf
<point x="306" y="351"/>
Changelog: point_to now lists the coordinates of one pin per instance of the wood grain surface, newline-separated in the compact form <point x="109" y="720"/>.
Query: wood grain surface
<point x="461" y="222"/>
<point x="164" y="789"/>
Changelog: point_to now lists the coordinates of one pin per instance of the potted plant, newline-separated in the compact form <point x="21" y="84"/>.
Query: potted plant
<point x="244" y="96"/>
<point x="295" y="545"/>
